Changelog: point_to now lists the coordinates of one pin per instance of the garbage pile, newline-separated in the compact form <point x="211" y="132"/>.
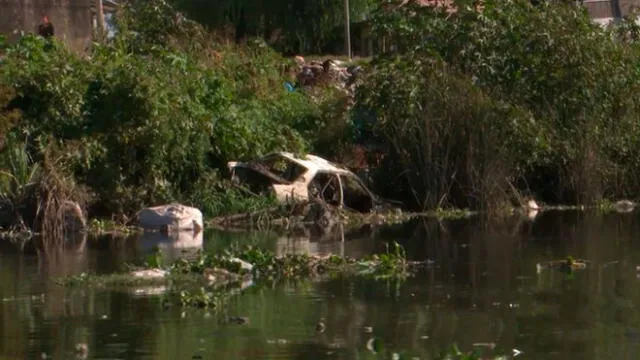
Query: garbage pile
<point x="328" y="72"/>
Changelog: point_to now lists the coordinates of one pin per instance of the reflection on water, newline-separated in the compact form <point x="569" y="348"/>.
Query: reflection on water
<point x="173" y="246"/>
<point x="483" y="289"/>
<point x="355" y="244"/>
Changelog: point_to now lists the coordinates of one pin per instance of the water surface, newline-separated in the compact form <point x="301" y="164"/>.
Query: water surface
<point x="482" y="291"/>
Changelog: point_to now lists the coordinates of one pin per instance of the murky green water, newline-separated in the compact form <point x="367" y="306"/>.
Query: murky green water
<point x="482" y="288"/>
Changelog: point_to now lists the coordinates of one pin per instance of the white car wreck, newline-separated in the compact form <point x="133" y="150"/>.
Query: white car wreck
<point x="304" y="178"/>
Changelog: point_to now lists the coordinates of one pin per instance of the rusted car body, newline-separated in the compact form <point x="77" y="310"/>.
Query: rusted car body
<point x="304" y="178"/>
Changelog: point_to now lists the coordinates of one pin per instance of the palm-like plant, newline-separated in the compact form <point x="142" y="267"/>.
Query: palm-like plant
<point x="17" y="174"/>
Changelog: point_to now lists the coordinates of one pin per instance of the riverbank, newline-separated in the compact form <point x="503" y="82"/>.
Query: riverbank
<point x="156" y="118"/>
<point x="281" y="220"/>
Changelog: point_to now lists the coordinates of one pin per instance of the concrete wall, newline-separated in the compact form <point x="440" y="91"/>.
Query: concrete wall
<point x="600" y="9"/>
<point x="628" y="6"/>
<point x="72" y="19"/>
<point x="610" y="9"/>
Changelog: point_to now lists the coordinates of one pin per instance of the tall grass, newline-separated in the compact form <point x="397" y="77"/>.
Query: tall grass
<point x="450" y="142"/>
<point x="39" y="196"/>
<point x="18" y="175"/>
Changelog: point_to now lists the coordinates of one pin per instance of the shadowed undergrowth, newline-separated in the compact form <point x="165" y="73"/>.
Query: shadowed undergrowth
<point x="480" y="109"/>
<point x="466" y="111"/>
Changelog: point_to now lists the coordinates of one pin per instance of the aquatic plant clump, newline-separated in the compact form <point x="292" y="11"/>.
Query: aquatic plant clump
<point x="263" y="264"/>
<point x="205" y="280"/>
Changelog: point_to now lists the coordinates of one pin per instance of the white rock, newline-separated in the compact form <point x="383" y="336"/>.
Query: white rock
<point x="173" y="216"/>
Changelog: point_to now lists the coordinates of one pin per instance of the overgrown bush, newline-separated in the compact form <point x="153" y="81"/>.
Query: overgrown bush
<point x="8" y="116"/>
<point x="150" y="113"/>
<point x="302" y="26"/>
<point x="216" y="197"/>
<point x="449" y="141"/>
<point x="514" y="94"/>
<point x="38" y="195"/>
<point x="18" y="174"/>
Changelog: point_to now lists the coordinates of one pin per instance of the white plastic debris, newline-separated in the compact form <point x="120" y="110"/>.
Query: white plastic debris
<point x="533" y="205"/>
<point x="149" y="290"/>
<point x="149" y="274"/>
<point x="516" y="352"/>
<point x="624" y="206"/>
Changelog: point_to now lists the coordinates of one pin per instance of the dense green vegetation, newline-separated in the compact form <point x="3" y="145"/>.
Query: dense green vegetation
<point x="474" y="105"/>
<point x="302" y="26"/>
<point x="151" y="116"/>
<point x="195" y="280"/>
<point x="467" y="109"/>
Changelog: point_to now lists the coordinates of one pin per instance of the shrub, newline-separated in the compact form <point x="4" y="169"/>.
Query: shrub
<point x="452" y="143"/>
<point x="151" y="112"/>
<point x="216" y="197"/>
<point x="541" y="85"/>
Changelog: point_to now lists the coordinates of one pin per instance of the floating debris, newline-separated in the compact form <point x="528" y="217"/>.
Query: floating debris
<point x="208" y="280"/>
<point x="239" y="320"/>
<point x="82" y="350"/>
<point x="567" y="265"/>
<point x="532" y="205"/>
<point x="150" y="290"/>
<point x="624" y="206"/>
<point x="517" y="352"/>
<point x="150" y="274"/>
<point x="374" y="345"/>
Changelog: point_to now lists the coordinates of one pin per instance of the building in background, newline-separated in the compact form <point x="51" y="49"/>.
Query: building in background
<point x="606" y="11"/>
<point x="109" y="7"/>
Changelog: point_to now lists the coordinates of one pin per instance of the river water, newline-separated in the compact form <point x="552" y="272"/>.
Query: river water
<point x="482" y="291"/>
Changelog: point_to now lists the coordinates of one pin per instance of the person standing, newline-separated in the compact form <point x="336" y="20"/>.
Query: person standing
<point x="46" y="29"/>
